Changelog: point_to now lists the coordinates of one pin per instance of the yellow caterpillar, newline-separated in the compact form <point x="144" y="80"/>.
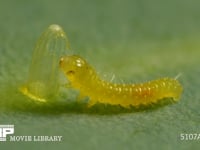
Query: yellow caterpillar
<point x="84" y="78"/>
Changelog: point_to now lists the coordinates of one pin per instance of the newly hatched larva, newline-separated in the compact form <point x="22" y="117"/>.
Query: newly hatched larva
<point x="84" y="78"/>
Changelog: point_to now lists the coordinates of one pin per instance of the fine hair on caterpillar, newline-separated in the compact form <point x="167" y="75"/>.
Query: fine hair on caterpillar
<point x="84" y="78"/>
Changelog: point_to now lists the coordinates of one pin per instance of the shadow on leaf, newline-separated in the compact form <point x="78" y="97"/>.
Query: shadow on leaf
<point x="19" y="103"/>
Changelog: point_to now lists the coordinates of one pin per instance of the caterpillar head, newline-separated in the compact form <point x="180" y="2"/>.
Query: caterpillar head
<point x="73" y="66"/>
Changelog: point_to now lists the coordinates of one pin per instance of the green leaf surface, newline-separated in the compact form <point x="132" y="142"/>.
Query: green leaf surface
<point x="136" y="40"/>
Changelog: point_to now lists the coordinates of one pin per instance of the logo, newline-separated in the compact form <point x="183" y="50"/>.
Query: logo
<point x="9" y="129"/>
<point x="6" y="130"/>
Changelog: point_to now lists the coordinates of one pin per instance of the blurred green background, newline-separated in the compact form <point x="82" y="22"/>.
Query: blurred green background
<point x="136" y="40"/>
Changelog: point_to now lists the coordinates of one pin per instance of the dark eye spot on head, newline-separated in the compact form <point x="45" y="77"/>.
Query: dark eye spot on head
<point x="70" y="72"/>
